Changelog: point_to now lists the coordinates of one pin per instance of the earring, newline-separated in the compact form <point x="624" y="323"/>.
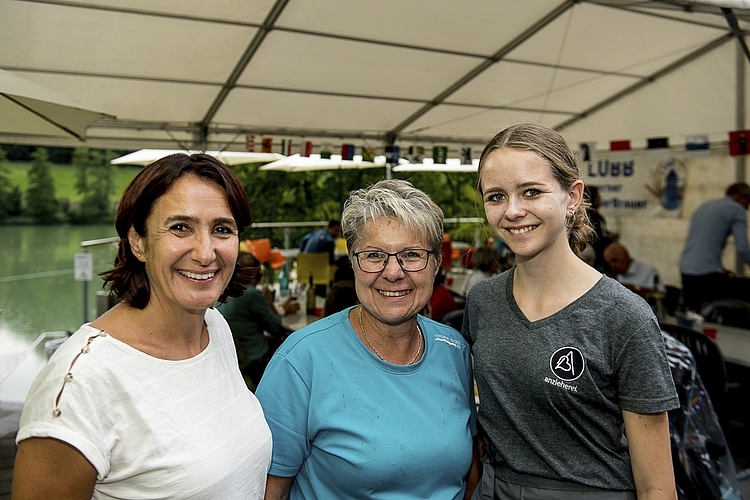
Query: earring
<point x="567" y="224"/>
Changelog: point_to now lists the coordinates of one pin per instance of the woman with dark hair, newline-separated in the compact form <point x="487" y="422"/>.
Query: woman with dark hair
<point x="147" y="401"/>
<point x="570" y="366"/>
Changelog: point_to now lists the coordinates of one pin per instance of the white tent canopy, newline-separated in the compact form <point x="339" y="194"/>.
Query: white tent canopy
<point x="191" y="74"/>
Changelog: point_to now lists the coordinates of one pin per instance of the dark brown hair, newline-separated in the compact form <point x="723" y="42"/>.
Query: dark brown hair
<point x="128" y="279"/>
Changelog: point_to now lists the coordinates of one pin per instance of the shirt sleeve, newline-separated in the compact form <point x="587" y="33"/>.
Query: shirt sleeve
<point x="644" y="379"/>
<point x="739" y="231"/>
<point x="286" y="412"/>
<point x="267" y="319"/>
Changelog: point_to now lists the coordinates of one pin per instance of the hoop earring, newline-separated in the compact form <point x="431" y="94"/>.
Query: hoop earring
<point x="569" y="225"/>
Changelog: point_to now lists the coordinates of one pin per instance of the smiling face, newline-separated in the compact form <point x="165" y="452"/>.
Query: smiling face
<point x="525" y="204"/>
<point x="393" y="296"/>
<point x="190" y="246"/>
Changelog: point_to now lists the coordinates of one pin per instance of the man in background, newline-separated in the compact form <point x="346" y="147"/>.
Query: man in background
<point x="322" y="240"/>
<point x="637" y="276"/>
<point x="703" y="277"/>
<point x="602" y="236"/>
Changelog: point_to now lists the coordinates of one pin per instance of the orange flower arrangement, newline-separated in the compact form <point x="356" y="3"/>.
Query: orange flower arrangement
<point x="262" y="250"/>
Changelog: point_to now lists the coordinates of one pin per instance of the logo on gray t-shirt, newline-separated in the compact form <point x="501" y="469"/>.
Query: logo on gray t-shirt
<point x="567" y="363"/>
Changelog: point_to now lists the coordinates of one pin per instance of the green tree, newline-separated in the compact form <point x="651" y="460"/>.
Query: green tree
<point x="6" y="187"/>
<point x="14" y="202"/>
<point x="40" y="194"/>
<point x="95" y="183"/>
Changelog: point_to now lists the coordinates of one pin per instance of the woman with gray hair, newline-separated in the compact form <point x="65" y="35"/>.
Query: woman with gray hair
<point x="376" y="401"/>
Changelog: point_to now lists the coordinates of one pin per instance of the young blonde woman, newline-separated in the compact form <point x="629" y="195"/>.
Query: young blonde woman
<point x="573" y="379"/>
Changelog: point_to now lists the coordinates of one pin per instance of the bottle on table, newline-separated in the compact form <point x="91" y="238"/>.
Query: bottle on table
<point x="284" y="282"/>
<point x="310" y="296"/>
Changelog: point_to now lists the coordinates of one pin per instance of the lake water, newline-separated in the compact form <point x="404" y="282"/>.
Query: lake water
<point x="39" y="294"/>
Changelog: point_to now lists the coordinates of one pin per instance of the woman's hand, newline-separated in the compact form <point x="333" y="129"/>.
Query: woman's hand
<point x="290" y="306"/>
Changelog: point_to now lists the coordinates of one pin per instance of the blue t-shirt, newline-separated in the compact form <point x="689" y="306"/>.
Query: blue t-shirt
<point x="350" y="425"/>
<point x="317" y="242"/>
<point x="710" y="226"/>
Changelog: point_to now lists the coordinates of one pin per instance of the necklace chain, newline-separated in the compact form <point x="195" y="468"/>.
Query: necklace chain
<point x="367" y="339"/>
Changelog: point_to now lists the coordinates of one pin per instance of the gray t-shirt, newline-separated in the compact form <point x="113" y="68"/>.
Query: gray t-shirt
<point x="551" y="391"/>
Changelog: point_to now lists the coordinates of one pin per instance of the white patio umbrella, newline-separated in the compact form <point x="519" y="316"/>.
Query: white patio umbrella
<point x="297" y="163"/>
<point x="438" y="167"/>
<point x="27" y="108"/>
<point x="145" y="157"/>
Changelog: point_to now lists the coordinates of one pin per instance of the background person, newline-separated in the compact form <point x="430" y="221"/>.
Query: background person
<point x="256" y="324"/>
<point x="322" y="240"/>
<point x="442" y="301"/>
<point x="635" y="275"/>
<point x="366" y="402"/>
<point x="703" y="277"/>
<point x="570" y="367"/>
<point x="343" y="294"/>
<point x="147" y="400"/>
<point x="602" y="236"/>
<point x="485" y="263"/>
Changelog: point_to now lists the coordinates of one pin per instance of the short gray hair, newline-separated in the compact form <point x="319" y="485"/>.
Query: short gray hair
<point x="394" y="199"/>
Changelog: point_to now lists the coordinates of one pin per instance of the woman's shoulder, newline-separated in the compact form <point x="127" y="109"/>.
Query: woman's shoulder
<point x="611" y="298"/>
<point x="439" y="332"/>
<point x="318" y="333"/>
<point x="490" y="287"/>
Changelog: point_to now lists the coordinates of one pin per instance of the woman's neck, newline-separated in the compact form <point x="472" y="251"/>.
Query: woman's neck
<point x="542" y="287"/>
<point x="156" y="332"/>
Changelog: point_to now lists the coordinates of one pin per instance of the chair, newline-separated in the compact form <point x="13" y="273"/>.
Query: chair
<point x="710" y="364"/>
<point x="460" y="299"/>
<point x="672" y="299"/>
<point x="730" y="312"/>
<point x="319" y="264"/>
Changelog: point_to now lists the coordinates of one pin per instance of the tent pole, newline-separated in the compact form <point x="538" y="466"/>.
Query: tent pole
<point x="741" y="51"/>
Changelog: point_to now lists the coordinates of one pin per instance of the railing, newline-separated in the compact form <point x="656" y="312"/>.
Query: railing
<point x="287" y="243"/>
<point x="29" y="350"/>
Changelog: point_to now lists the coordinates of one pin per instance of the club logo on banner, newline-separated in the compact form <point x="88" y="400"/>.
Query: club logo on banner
<point x="668" y="181"/>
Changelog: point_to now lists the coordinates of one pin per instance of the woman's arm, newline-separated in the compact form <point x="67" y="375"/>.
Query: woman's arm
<point x="650" y="455"/>
<point x="472" y="477"/>
<point x="277" y="488"/>
<point x="47" y="468"/>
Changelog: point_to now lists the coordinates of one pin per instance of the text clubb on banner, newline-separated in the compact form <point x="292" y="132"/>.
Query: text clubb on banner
<point x="637" y="183"/>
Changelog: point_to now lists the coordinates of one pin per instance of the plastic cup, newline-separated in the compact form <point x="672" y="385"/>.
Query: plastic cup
<point x="710" y="332"/>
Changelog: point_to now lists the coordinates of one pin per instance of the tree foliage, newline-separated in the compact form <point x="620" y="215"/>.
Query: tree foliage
<point x="40" y="194"/>
<point x="6" y="187"/>
<point x="95" y="183"/>
<point x="319" y="196"/>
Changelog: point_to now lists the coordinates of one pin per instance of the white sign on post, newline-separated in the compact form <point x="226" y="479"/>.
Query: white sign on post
<point x="84" y="266"/>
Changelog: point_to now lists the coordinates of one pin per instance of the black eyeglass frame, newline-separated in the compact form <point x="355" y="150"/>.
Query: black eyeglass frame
<point x="388" y="257"/>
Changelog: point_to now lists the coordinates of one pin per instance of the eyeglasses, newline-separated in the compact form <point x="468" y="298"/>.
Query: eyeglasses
<point x="374" y="261"/>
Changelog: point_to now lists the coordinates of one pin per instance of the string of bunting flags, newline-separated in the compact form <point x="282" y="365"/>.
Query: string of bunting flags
<point x="649" y="181"/>
<point x="392" y="152"/>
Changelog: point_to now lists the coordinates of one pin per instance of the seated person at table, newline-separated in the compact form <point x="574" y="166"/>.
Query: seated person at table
<point x="637" y="276"/>
<point x="376" y="401"/>
<point x="322" y="240"/>
<point x="255" y="324"/>
<point x="442" y="301"/>
<point x="485" y="263"/>
<point x="342" y="294"/>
